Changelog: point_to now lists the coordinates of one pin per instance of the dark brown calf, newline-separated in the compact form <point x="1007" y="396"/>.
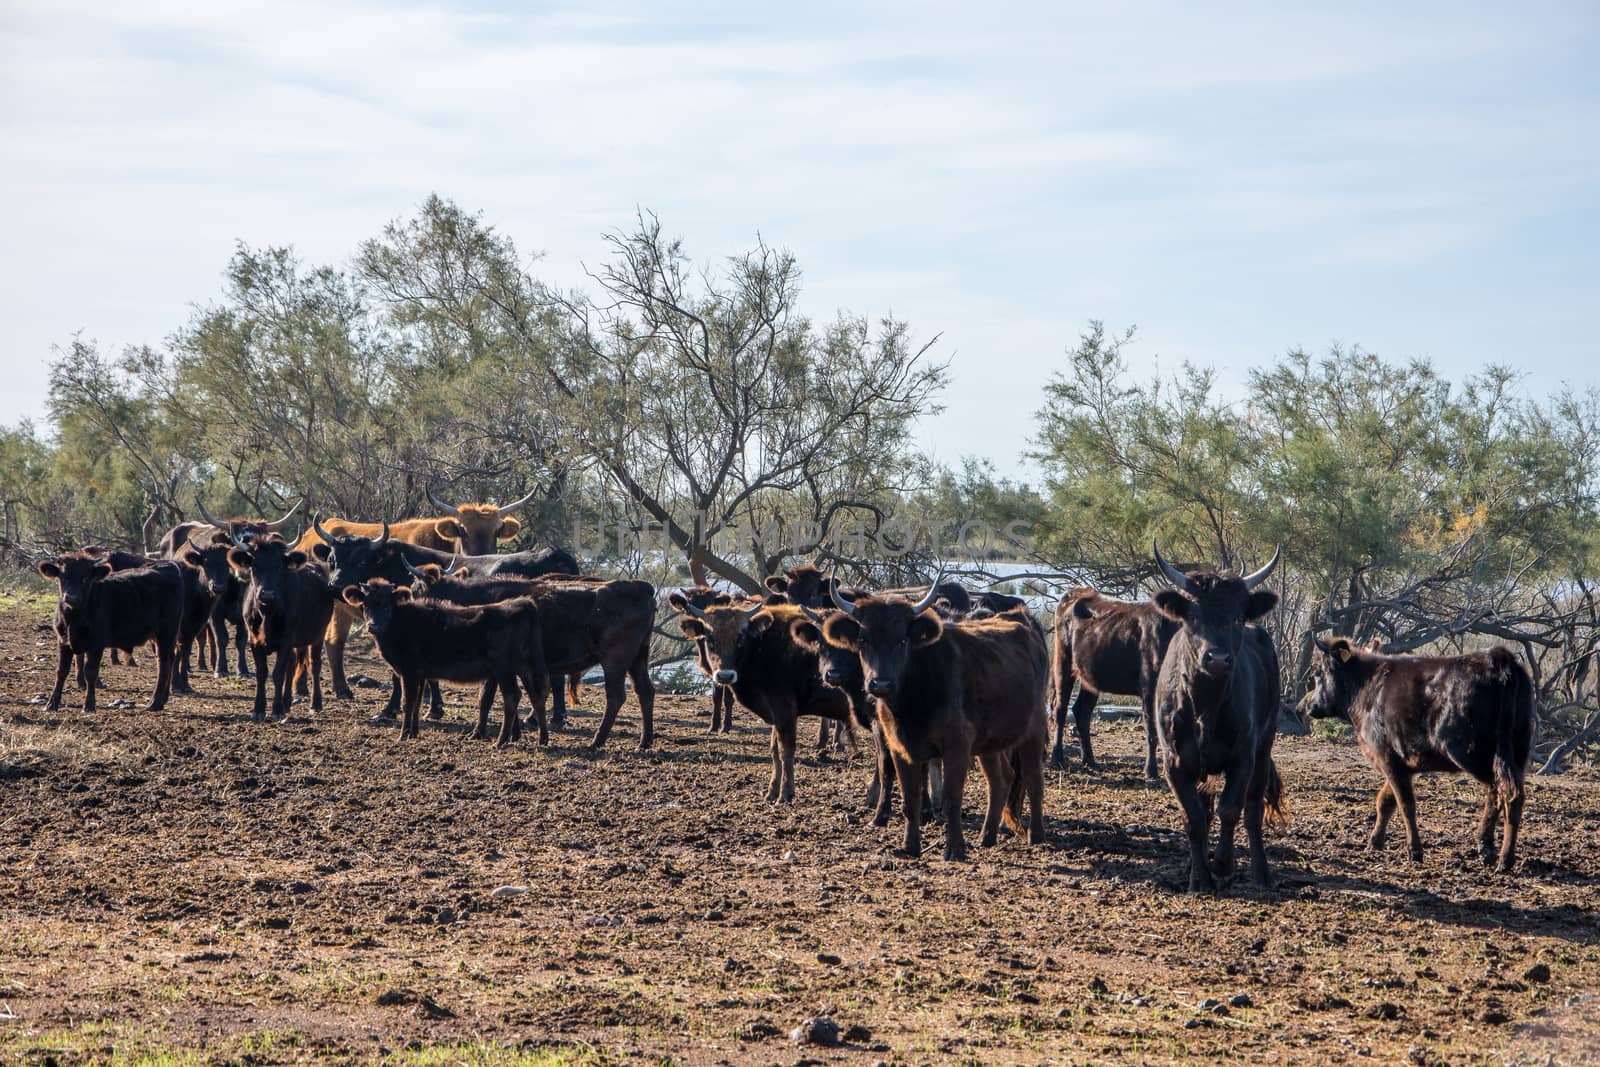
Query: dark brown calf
<point x="497" y="644"/>
<point x="1106" y="646"/>
<point x="703" y="596"/>
<point x="98" y="609"/>
<point x="287" y="605"/>
<point x="1416" y="714"/>
<point x="953" y="691"/>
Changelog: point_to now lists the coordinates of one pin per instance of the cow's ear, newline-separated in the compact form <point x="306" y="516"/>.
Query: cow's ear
<point x="678" y="601"/>
<point x="692" y="628"/>
<point x="1173" y="604"/>
<point x="759" y="622"/>
<point x="450" y="529"/>
<point x="49" y="568"/>
<point x="1341" y="649"/>
<point x="925" y="629"/>
<point x="431" y="572"/>
<point x="1259" y="603"/>
<point x="806" y="635"/>
<point x="322" y="550"/>
<point x="508" y="529"/>
<point x="777" y="583"/>
<point x="402" y="594"/>
<point x="192" y="558"/>
<point x="240" y="559"/>
<point x="775" y="599"/>
<point x="102" y="570"/>
<point x="296" y="559"/>
<point x="842" y="631"/>
<point x="354" y="595"/>
<point x="1081" y="610"/>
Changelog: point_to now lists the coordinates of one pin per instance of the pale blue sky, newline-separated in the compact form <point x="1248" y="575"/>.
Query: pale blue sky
<point x="1235" y="179"/>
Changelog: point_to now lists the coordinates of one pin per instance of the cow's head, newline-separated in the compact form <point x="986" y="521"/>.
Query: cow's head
<point x="1213" y="605"/>
<point x="355" y="559"/>
<point x="882" y="631"/>
<point x="803" y="584"/>
<point x="268" y="562"/>
<point x="211" y="560"/>
<point x="1337" y="670"/>
<point x="75" y="574"/>
<point x="377" y="600"/>
<point x="723" y="627"/>
<point x="476" y="527"/>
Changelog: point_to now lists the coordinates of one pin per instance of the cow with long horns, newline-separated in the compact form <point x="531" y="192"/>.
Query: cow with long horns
<point x="1417" y="714"/>
<point x="952" y="691"/>
<point x="1217" y="712"/>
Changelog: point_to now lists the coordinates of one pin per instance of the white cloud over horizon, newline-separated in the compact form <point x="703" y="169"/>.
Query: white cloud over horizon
<point x="1236" y="181"/>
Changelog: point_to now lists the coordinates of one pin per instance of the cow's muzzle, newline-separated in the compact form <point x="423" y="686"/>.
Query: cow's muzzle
<point x="880" y="687"/>
<point x="726" y="677"/>
<point x="833" y="677"/>
<point x="1216" y="664"/>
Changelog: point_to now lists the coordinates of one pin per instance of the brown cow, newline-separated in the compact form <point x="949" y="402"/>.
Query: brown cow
<point x="1106" y="646"/>
<point x="1415" y="714"/>
<point x="952" y="691"/>
<point x="471" y="529"/>
<point x="703" y="596"/>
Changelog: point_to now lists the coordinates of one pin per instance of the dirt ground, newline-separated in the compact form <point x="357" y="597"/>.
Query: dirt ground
<point x="186" y="886"/>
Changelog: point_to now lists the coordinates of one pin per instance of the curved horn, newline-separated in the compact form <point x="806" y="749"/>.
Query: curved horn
<point x="286" y="515"/>
<point x="316" y="524"/>
<point x="385" y="535"/>
<point x="933" y="592"/>
<point x="1179" y="579"/>
<point x="838" y="601"/>
<point x="212" y="519"/>
<point x="454" y="513"/>
<point x="414" y="572"/>
<point x="456" y="563"/>
<point x="194" y="546"/>
<point x="753" y="612"/>
<point x="1253" y="580"/>
<point x="688" y="605"/>
<point x="509" y="508"/>
<point x="813" y="616"/>
<point x="1322" y="646"/>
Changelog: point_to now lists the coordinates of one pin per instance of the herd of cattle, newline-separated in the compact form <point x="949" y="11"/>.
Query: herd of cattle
<point x="941" y="676"/>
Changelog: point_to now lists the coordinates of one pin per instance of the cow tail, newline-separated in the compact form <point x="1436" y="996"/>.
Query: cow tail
<point x="1515" y="713"/>
<point x="1277" y="810"/>
<point x="1011" y="815"/>
<point x="573" y="683"/>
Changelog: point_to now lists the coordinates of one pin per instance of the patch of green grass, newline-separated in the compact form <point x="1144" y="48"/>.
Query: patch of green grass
<point x="107" y="1044"/>
<point x="1332" y="730"/>
<point x="483" y="1054"/>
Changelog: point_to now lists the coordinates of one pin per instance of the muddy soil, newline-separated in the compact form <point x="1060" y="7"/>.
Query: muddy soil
<point x="187" y="881"/>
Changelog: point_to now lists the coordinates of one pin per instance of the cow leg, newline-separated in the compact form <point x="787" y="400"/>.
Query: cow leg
<point x="283" y="681"/>
<point x="822" y="735"/>
<point x="911" y="777"/>
<point x="316" y="674"/>
<point x="1230" y="805"/>
<point x="1033" y="780"/>
<point x="218" y="628"/>
<point x="933" y="800"/>
<point x="558" y="702"/>
<point x="774" y="751"/>
<point x="1384" y="810"/>
<point x="880" y="795"/>
<point x="391" y="708"/>
<point x="91" y="678"/>
<point x="1254" y="812"/>
<point x="997" y="773"/>
<point x="64" y="663"/>
<point x="726" y="695"/>
<point x="957" y="760"/>
<point x="535" y="686"/>
<point x="166" y="656"/>
<point x="411" y="706"/>
<point x="485" y="702"/>
<point x="338" y="633"/>
<point x="1197" y="822"/>
<point x="786" y="739"/>
<point x="1491" y="813"/>
<point x="716" y="708"/>
<point x="1511" y="800"/>
<point x="1082" y="716"/>
<point x="259" y="711"/>
<point x="1151" y="771"/>
<point x="616" y="691"/>
<point x="81" y="678"/>
<point x="510" y="725"/>
<point x="435" y="701"/>
<point x="1058" y="754"/>
<point x="1400" y="782"/>
<point x="239" y="640"/>
<point x="644" y="689"/>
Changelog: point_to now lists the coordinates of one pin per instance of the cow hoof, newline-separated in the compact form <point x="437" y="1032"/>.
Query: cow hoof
<point x="880" y="819"/>
<point x="384" y="718"/>
<point x="988" y="840"/>
<point x="952" y="855"/>
<point x="258" y="716"/>
<point x="1090" y="765"/>
<point x="1416" y="855"/>
<point x="435" y="714"/>
<point x="343" y="694"/>
<point x="1375" y="844"/>
<point x="906" y="854"/>
<point x="52" y="707"/>
<point x="1504" y="868"/>
<point x="1151" y="773"/>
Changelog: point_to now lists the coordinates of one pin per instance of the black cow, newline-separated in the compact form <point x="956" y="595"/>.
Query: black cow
<point x="953" y="691"/>
<point x="287" y="605"/>
<point x="99" y="609"/>
<point x="1416" y="714"/>
<point x="585" y="623"/>
<point x="749" y="650"/>
<point x="226" y="591"/>
<point x="497" y="644"/>
<point x="1106" y="646"/>
<point x="1217" y="712"/>
<point x="807" y="586"/>
<point x="703" y="596"/>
